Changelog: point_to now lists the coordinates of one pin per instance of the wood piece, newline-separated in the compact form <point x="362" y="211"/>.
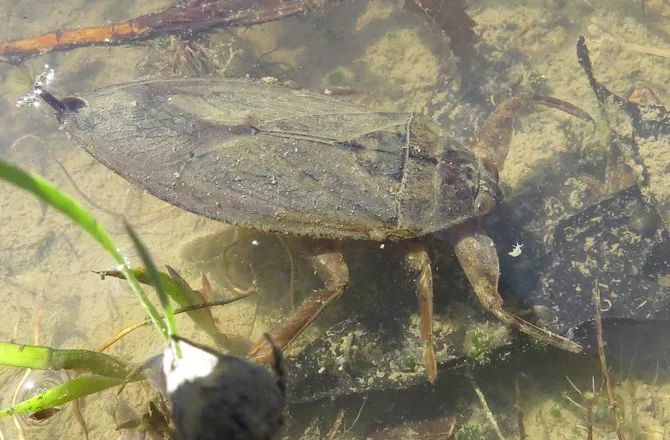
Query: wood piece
<point x="194" y="18"/>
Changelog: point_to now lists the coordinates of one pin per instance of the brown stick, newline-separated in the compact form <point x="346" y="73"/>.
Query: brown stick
<point x="337" y="426"/>
<point x="603" y="363"/>
<point x="196" y="17"/>
<point x="451" y="431"/>
<point x="657" y="52"/>
<point x="131" y="328"/>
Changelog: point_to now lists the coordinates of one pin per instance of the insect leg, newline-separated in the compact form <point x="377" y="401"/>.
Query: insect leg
<point x="334" y="272"/>
<point x="477" y="255"/>
<point x="493" y="139"/>
<point x="419" y="263"/>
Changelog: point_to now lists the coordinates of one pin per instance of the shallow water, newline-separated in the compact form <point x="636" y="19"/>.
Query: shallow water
<point x="384" y="56"/>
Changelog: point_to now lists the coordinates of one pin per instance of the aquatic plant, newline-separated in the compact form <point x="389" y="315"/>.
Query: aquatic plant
<point x="102" y="371"/>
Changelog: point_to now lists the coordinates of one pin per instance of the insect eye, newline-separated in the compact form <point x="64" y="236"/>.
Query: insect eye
<point x="73" y="104"/>
<point x="484" y="204"/>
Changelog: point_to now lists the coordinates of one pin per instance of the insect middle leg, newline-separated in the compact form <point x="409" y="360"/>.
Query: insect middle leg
<point x="418" y="262"/>
<point x="334" y="272"/>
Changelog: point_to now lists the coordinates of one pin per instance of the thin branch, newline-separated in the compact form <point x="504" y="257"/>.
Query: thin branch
<point x="571" y="400"/>
<point x="603" y="363"/>
<point x="572" y="384"/>
<point x="451" y="432"/>
<point x="519" y="410"/>
<point x="191" y="19"/>
<point x="337" y="426"/>
<point x="360" y="410"/>
<point x="131" y="328"/>
<point x="654" y="51"/>
<point x="485" y="407"/>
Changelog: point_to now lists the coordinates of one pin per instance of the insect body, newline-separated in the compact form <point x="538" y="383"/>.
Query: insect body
<point x="293" y="162"/>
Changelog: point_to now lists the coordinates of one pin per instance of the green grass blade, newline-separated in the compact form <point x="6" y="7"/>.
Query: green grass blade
<point x="156" y="281"/>
<point x="72" y="389"/>
<point x="48" y="193"/>
<point x="43" y="357"/>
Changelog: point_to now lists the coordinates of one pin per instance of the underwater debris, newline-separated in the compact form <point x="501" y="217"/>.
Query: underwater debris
<point x="600" y="340"/>
<point x="640" y="133"/>
<point x="516" y="250"/>
<point x="452" y="18"/>
<point x="182" y="19"/>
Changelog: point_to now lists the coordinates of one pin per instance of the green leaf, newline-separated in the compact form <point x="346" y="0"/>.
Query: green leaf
<point x="155" y="277"/>
<point x="72" y="389"/>
<point x="43" y="357"/>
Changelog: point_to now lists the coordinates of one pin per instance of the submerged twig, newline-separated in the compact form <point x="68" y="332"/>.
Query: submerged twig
<point x="485" y="407"/>
<point x="572" y="384"/>
<point x="337" y="425"/>
<point x="291" y="285"/>
<point x="131" y="328"/>
<point x="358" y="415"/>
<point x="519" y="410"/>
<point x="191" y="18"/>
<point x="589" y="420"/>
<point x="588" y="398"/>
<point x="571" y="400"/>
<point x="603" y="363"/>
<point x="654" y="51"/>
<point x="76" y="408"/>
<point x="118" y="336"/>
<point x="79" y="191"/>
<point x="451" y="432"/>
<point x="222" y="302"/>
